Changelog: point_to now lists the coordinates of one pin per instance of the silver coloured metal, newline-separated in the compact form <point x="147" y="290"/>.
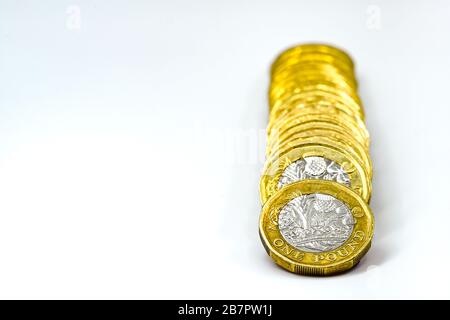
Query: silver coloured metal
<point x="313" y="168"/>
<point x="315" y="222"/>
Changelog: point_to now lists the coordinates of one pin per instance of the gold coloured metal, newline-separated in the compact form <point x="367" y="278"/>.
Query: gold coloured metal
<point x="294" y="92"/>
<point x="330" y="137"/>
<point x="312" y="114"/>
<point x="297" y="52"/>
<point x="317" y="144"/>
<point x="288" y="131"/>
<point x="291" y="130"/>
<point x="335" y="261"/>
<point x="359" y="177"/>
<point x="317" y="108"/>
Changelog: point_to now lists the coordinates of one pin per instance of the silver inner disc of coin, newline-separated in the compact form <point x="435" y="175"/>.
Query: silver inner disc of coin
<point x="313" y="168"/>
<point x="315" y="222"/>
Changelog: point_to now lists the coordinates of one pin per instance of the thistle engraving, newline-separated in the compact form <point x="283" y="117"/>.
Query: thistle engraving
<point x="315" y="222"/>
<point x="313" y="168"/>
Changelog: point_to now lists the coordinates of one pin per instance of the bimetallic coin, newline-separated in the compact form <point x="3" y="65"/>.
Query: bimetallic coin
<point x="313" y="109"/>
<point x="329" y="58"/>
<point x="320" y="132"/>
<point x="340" y="165"/>
<point x="325" y="137"/>
<point x="308" y="72"/>
<point x="295" y="85"/>
<point x="353" y="124"/>
<point x="296" y="52"/>
<point x="291" y="131"/>
<point x="287" y="97"/>
<point x="313" y="168"/>
<point x="316" y="227"/>
<point x="319" y="62"/>
<point x="296" y="102"/>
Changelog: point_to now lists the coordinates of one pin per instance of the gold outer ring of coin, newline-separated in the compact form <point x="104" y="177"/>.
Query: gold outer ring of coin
<point x="319" y="148"/>
<point x="309" y="129"/>
<point x="313" y="91"/>
<point x="273" y="169"/>
<point x="303" y="103"/>
<point x="300" y="107"/>
<point x="279" y="90"/>
<point x="273" y="159"/>
<point x="322" y="140"/>
<point x="311" y="111"/>
<point x="324" y="91"/>
<point x="322" y="109"/>
<point x="296" y="52"/>
<point x="316" y="60"/>
<point x="315" y="95"/>
<point x="296" y="84"/>
<point x="308" y="263"/>
<point x="315" y="55"/>
<point x="299" y="71"/>
<point x="328" y="139"/>
<point x="310" y="132"/>
<point x="293" y="86"/>
<point x="312" y="67"/>
<point x="289" y="128"/>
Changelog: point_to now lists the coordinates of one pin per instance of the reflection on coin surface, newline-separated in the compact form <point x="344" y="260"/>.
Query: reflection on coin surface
<point x="315" y="223"/>
<point x="313" y="168"/>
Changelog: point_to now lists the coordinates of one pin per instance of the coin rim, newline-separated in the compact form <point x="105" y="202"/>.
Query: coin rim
<point x="296" y="51"/>
<point x="360" y="155"/>
<point x="290" y="131"/>
<point x="289" y="92"/>
<point x="313" y="109"/>
<point x="358" y="177"/>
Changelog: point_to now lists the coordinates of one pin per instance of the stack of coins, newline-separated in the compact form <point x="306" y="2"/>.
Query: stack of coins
<point x="316" y="182"/>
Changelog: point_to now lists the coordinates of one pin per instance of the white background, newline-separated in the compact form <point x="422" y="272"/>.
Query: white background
<point x="131" y="138"/>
